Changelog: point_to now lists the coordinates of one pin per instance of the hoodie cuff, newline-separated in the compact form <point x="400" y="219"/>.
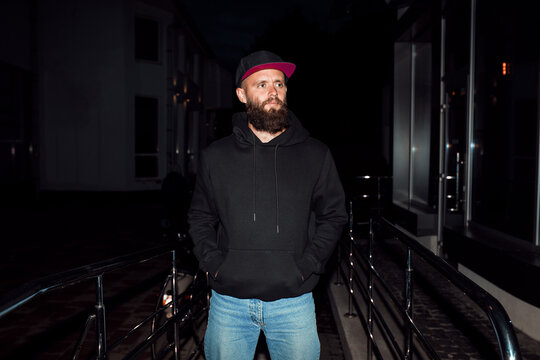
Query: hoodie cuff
<point x="214" y="263"/>
<point x="306" y="265"/>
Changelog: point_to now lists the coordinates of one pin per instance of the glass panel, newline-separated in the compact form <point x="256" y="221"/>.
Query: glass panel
<point x="456" y="72"/>
<point x="402" y="111"/>
<point x="455" y="142"/>
<point x="421" y="124"/>
<point x="506" y="103"/>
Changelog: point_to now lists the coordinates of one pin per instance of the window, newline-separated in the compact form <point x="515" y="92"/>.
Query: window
<point x="506" y="117"/>
<point x="402" y="108"/>
<point x="457" y="17"/>
<point x="13" y="102"/>
<point x="146" y="137"/>
<point x="421" y="125"/>
<point x="146" y="39"/>
<point x="415" y="177"/>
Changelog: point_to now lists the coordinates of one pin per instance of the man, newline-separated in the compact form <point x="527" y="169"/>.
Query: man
<point x="266" y="213"/>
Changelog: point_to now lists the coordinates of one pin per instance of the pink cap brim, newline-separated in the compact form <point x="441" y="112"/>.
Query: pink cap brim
<point x="286" y="68"/>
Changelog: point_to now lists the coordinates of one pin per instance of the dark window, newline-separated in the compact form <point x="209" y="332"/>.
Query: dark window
<point x="146" y="137"/>
<point x="146" y="39"/>
<point x="146" y="120"/>
<point x="14" y="102"/>
<point x="146" y="166"/>
<point x="17" y="160"/>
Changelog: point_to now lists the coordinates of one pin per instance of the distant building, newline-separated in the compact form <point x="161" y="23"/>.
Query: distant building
<point x="466" y="141"/>
<point x="103" y="95"/>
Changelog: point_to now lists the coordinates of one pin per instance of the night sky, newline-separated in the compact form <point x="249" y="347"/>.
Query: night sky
<point x="230" y="30"/>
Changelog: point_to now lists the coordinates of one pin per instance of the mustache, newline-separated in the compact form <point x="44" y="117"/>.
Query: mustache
<point x="275" y="98"/>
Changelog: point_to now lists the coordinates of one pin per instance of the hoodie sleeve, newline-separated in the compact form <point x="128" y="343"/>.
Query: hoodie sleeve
<point x="203" y="221"/>
<point x="330" y="217"/>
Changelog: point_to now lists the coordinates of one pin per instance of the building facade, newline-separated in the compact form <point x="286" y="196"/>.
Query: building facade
<point x="104" y="95"/>
<point x="466" y="142"/>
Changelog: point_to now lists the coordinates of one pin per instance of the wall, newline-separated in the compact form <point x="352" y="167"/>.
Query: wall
<point x="83" y="117"/>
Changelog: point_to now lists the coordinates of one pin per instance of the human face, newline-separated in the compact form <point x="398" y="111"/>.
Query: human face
<point x="264" y="87"/>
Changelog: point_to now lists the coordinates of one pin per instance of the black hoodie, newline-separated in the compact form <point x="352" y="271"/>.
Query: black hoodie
<point x="265" y="217"/>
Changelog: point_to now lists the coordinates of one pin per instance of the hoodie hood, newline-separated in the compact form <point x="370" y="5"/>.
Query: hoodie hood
<point x="294" y="134"/>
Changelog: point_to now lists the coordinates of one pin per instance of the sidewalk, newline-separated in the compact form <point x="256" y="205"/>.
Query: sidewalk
<point x="456" y="327"/>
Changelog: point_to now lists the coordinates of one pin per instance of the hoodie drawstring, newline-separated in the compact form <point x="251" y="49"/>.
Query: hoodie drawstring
<point x="254" y="181"/>
<point x="255" y="184"/>
<point x="277" y="192"/>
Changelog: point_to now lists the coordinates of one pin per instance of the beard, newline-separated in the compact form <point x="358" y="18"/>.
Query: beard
<point x="271" y="121"/>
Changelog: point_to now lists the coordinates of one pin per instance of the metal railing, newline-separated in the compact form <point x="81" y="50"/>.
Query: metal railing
<point x="362" y="277"/>
<point x="181" y="311"/>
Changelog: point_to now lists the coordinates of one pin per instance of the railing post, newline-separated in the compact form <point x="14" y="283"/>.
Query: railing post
<point x="409" y="306"/>
<point x="101" y="326"/>
<point x="370" y="291"/>
<point x="350" y="313"/>
<point x="174" y="286"/>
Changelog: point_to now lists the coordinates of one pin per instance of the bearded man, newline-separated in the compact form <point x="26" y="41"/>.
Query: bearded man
<point x="266" y="213"/>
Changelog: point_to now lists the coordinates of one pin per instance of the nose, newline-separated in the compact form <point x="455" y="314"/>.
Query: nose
<point x="273" y="90"/>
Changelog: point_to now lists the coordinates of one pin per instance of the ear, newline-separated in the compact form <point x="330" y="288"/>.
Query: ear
<point x="241" y="93"/>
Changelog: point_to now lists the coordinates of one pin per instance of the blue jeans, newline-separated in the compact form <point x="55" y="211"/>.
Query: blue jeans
<point x="288" y="324"/>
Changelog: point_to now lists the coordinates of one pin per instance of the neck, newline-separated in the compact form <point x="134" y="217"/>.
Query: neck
<point x="263" y="135"/>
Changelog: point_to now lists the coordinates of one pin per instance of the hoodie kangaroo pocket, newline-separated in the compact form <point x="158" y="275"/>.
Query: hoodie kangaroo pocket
<point x="247" y="272"/>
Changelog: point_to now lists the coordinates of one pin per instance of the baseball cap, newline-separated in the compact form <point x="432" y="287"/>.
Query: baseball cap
<point x="261" y="60"/>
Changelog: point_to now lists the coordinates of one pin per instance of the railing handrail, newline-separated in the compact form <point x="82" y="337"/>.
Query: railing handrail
<point x="21" y="295"/>
<point x="502" y="325"/>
